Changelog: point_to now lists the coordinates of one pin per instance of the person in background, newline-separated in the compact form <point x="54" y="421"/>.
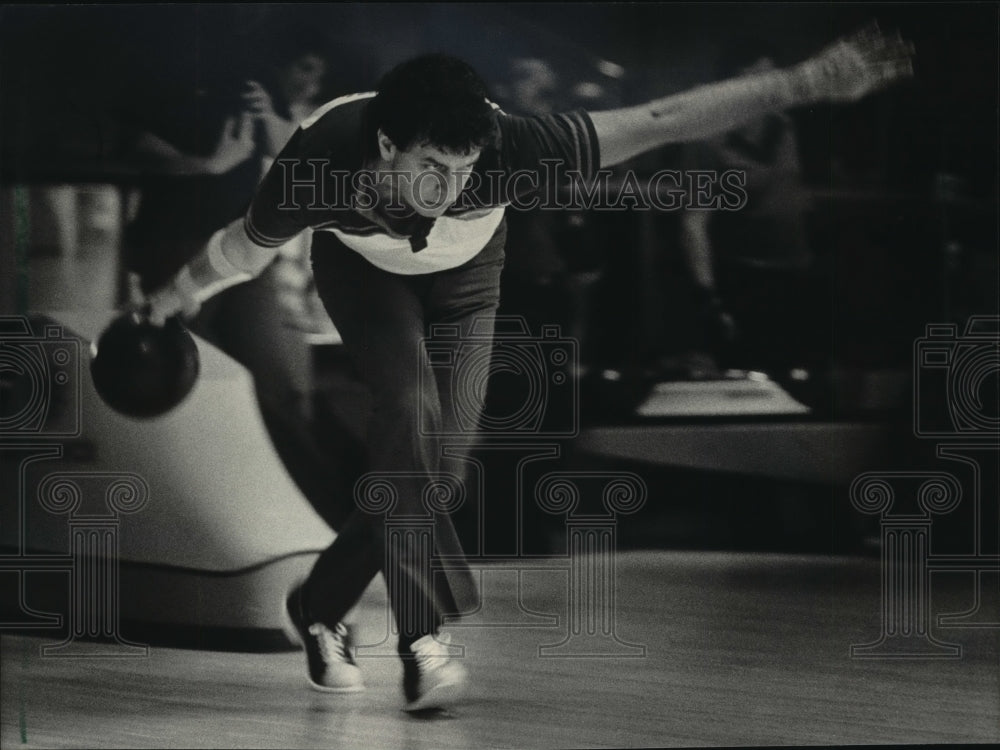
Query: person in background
<point x="746" y="264"/>
<point x="554" y="258"/>
<point x="202" y="153"/>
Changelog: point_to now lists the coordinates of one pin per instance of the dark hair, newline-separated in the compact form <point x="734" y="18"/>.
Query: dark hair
<point x="434" y="99"/>
<point x="275" y="49"/>
<point x="283" y="46"/>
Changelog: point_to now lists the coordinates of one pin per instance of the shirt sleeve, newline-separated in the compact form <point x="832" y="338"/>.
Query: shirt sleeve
<point x="281" y="206"/>
<point x="536" y="144"/>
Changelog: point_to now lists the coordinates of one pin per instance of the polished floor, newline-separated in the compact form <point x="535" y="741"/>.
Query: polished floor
<point x="709" y="649"/>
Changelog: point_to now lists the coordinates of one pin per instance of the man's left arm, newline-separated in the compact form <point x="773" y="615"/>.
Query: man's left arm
<point x="845" y="71"/>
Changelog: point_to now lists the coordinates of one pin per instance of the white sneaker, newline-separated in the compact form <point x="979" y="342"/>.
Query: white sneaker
<point x="330" y="665"/>
<point x="431" y="678"/>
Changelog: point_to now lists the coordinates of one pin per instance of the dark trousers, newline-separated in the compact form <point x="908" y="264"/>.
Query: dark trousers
<point x="384" y="319"/>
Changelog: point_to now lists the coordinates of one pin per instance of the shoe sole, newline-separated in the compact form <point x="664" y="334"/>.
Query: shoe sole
<point x="325" y="689"/>
<point x="439" y="696"/>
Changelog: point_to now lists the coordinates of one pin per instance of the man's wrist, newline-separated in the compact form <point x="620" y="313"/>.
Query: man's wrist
<point x="778" y="90"/>
<point x="212" y="165"/>
<point x="210" y="272"/>
<point x="217" y="260"/>
<point x="804" y="83"/>
<point x="186" y="286"/>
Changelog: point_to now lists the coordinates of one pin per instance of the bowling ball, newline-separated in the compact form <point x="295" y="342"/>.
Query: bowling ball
<point x="141" y="370"/>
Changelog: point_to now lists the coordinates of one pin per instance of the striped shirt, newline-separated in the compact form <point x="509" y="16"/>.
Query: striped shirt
<point x="319" y="182"/>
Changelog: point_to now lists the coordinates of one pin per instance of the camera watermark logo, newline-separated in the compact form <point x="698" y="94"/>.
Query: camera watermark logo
<point x="538" y="369"/>
<point x="39" y="381"/>
<point x="40" y="418"/>
<point x="956" y="380"/>
<point x="956" y="385"/>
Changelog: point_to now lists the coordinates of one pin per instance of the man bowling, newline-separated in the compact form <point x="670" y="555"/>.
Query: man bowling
<point x="421" y="243"/>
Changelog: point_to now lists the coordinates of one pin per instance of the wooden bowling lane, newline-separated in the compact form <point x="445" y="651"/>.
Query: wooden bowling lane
<point x="740" y="649"/>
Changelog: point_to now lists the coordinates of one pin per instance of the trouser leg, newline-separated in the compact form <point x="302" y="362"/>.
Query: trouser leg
<point x="383" y="319"/>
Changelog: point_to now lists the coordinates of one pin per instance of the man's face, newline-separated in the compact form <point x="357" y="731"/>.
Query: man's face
<point x="429" y="179"/>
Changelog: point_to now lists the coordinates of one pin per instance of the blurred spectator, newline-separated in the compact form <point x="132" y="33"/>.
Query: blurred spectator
<point x="553" y="256"/>
<point x="746" y="266"/>
<point x="202" y="152"/>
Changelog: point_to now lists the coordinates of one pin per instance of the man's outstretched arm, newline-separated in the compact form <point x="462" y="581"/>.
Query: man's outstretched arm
<point x="845" y="71"/>
<point x="229" y="258"/>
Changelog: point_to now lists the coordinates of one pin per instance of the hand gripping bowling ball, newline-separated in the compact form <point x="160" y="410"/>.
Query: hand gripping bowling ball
<point x="141" y="370"/>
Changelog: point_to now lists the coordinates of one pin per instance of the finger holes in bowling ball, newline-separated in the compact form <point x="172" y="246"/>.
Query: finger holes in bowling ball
<point x="141" y="370"/>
